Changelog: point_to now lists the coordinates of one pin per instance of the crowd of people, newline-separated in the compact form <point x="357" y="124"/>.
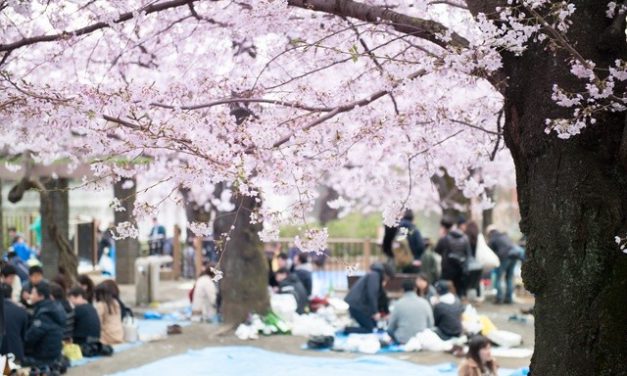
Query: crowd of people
<point x="47" y="315"/>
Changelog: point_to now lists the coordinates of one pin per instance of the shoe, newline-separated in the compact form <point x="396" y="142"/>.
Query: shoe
<point x="174" y="329"/>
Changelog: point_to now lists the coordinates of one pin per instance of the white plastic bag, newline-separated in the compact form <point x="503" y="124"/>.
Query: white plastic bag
<point x="504" y="338"/>
<point x="131" y="333"/>
<point x="430" y="341"/>
<point x="284" y="306"/>
<point x="485" y="255"/>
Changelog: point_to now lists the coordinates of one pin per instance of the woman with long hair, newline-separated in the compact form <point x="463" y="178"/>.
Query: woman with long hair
<point x="88" y="285"/>
<point x="205" y="295"/>
<point x="423" y="288"/>
<point x="115" y="292"/>
<point x="479" y="361"/>
<point x="111" y="330"/>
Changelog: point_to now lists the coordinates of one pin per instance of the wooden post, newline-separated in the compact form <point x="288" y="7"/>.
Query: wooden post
<point x="176" y="252"/>
<point x="367" y="254"/>
<point x="198" y="255"/>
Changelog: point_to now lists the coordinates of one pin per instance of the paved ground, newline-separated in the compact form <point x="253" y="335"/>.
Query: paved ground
<point x="199" y="336"/>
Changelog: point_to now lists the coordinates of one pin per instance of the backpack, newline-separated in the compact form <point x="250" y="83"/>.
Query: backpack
<point x="402" y="251"/>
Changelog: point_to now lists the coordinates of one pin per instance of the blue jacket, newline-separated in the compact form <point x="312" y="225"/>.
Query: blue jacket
<point x="45" y="334"/>
<point x="22" y="251"/>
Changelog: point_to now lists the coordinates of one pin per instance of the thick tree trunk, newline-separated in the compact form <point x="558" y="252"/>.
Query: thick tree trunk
<point x="2" y="245"/>
<point x="127" y="250"/>
<point x="56" y="250"/>
<point x="244" y="287"/>
<point x="322" y="211"/>
<point x="573" y="202"/>
<point x="452" y="201"/>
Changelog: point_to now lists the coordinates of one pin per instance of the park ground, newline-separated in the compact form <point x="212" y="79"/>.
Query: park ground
<point x="198" y="336"/>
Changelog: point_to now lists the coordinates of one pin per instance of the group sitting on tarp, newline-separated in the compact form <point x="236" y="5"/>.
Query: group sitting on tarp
<point x="49" y="323"/>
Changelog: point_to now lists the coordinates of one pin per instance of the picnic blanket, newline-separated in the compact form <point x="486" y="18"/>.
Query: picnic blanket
<point x="245" y="360"/>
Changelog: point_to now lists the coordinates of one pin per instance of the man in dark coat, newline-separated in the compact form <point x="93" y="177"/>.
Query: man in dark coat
<point x="506" y="250"/>
<point x="290" y="284"/>
<point x="454" y="248"/>
<point x="16" y="323"/>
<point x="44" y="337"/>
<point x="364" y="297"/>
<point x="414" y="240"/>
<point x="303" y="269"/>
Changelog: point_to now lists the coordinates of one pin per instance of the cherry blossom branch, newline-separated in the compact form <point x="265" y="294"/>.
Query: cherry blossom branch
<point x="151" y="8"/>
<point x="421" y="28"/>
<point x="245" y="100"/>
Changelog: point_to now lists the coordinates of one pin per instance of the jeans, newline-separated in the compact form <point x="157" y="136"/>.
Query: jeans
<point x="366" y="323"/>
<point x="507" y="269"/>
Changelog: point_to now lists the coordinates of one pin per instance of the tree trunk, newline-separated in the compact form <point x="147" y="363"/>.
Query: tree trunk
<point x="56" y="250"/>
<point x="126" y="250"/>
<point x="452" y="201"/>
<point x="2" y="245"/>
<point x="244" y="287"/>
<point x="487" y="217"/>
<point x="322" y="211"/>
<point x="573" y="202"/>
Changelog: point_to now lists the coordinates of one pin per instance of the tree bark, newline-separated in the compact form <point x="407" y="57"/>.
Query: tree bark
<point x="244" y="287"/>
<point x="127" y="250"/>
<point x="573" y="202"/>
<point x="56" y="250"/>
<point x="2" y="245"/>
<point x="322" y="211"/>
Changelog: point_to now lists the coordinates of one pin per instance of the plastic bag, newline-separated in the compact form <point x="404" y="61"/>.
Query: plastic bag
<point x="130" y="329"/>
<point x="485" y="255"/>
<point x="72" y="351"/>
<point x="430" y="341"/>
<point x="504" y="338"/>
<point x="284" y="306"/>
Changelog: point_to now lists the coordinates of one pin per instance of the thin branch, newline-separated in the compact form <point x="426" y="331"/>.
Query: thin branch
<point x="151" y="8"/>
<point x="245" y="100"/>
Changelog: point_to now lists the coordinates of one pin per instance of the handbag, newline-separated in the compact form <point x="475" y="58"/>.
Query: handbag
<point x="130" y="327"/>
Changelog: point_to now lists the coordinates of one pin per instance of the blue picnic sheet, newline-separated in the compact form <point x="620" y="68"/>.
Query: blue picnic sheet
<point x="144" y="328"/>
<point x="246" y="360"/>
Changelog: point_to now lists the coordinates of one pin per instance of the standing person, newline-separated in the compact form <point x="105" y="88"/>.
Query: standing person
<point x="44" y="337"/>
<point x="454" y="248"/>
<point x="156" y="237"/>
<point x="205" y="295"/>
<point x="411" y="314"/>
<point x="472" y="232"/>
<point x="363" y="298"/>
<point x="479" y="360"/>
<point x="9" y="276"/>
<point x="88" y="286"/>
<point x="302" y="270"/>
<point x="414" y="240"/>
<point x="16" y="324"/>
<point x="86" y="321"/>
<point x="109" y="313"/>
<point x="429" y="263"/>
<point x="22" y="249"/>
<point x="504" y="248"/>
<point x="447" y="311"/>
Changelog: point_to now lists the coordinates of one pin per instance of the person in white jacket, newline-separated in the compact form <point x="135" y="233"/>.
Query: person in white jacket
<point x="205" y="294"/>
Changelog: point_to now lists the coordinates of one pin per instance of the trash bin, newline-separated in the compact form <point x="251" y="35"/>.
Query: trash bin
<point x="142" y="281"/>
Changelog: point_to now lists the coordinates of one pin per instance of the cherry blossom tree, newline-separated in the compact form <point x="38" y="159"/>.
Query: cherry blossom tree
<point x="371" y="98"/>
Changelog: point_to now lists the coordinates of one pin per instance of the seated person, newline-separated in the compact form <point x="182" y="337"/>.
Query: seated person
<point x="109" y="313"/>
<point x="115" y="292"/>
<point x="411" y="315"/>
<point x="86" y="321"/>
<point x="423" y="287"/>
<point x="20" y="266"/>
<point x="44" y="337"/>
<point x="35" y="276"/>
<point x="447" y="311"/>
<point x="16" y="324"/>
<point x="205" y="295"/>
<point x="290" y="284"/>
<point x="60" y="299"/>
<point x="363" y="298"/>
<point x="10" y="277"/>
<point x="303" y="269"/>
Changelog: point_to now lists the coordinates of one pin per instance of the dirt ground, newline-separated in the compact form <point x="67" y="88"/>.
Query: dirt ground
<point x="197" y="336"/>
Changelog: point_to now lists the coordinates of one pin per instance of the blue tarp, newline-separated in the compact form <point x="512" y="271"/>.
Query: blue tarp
<point x="245" y="360"/>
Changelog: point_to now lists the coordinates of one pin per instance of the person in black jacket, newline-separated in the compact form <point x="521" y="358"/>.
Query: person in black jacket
<point x="60" y="299"/>
<point x="447" y="312"/>
<point x="505" y="249"/>
<point x="16" y="324"/>
<point x="365" y="297"/>
<point x="454" y="248"/>
<point x="414" y="238"/>
<point x="44" y="337"/>
<point x="290" y="284"/>
<point x="303" y="269"/>
<point x="86" y="321"/>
